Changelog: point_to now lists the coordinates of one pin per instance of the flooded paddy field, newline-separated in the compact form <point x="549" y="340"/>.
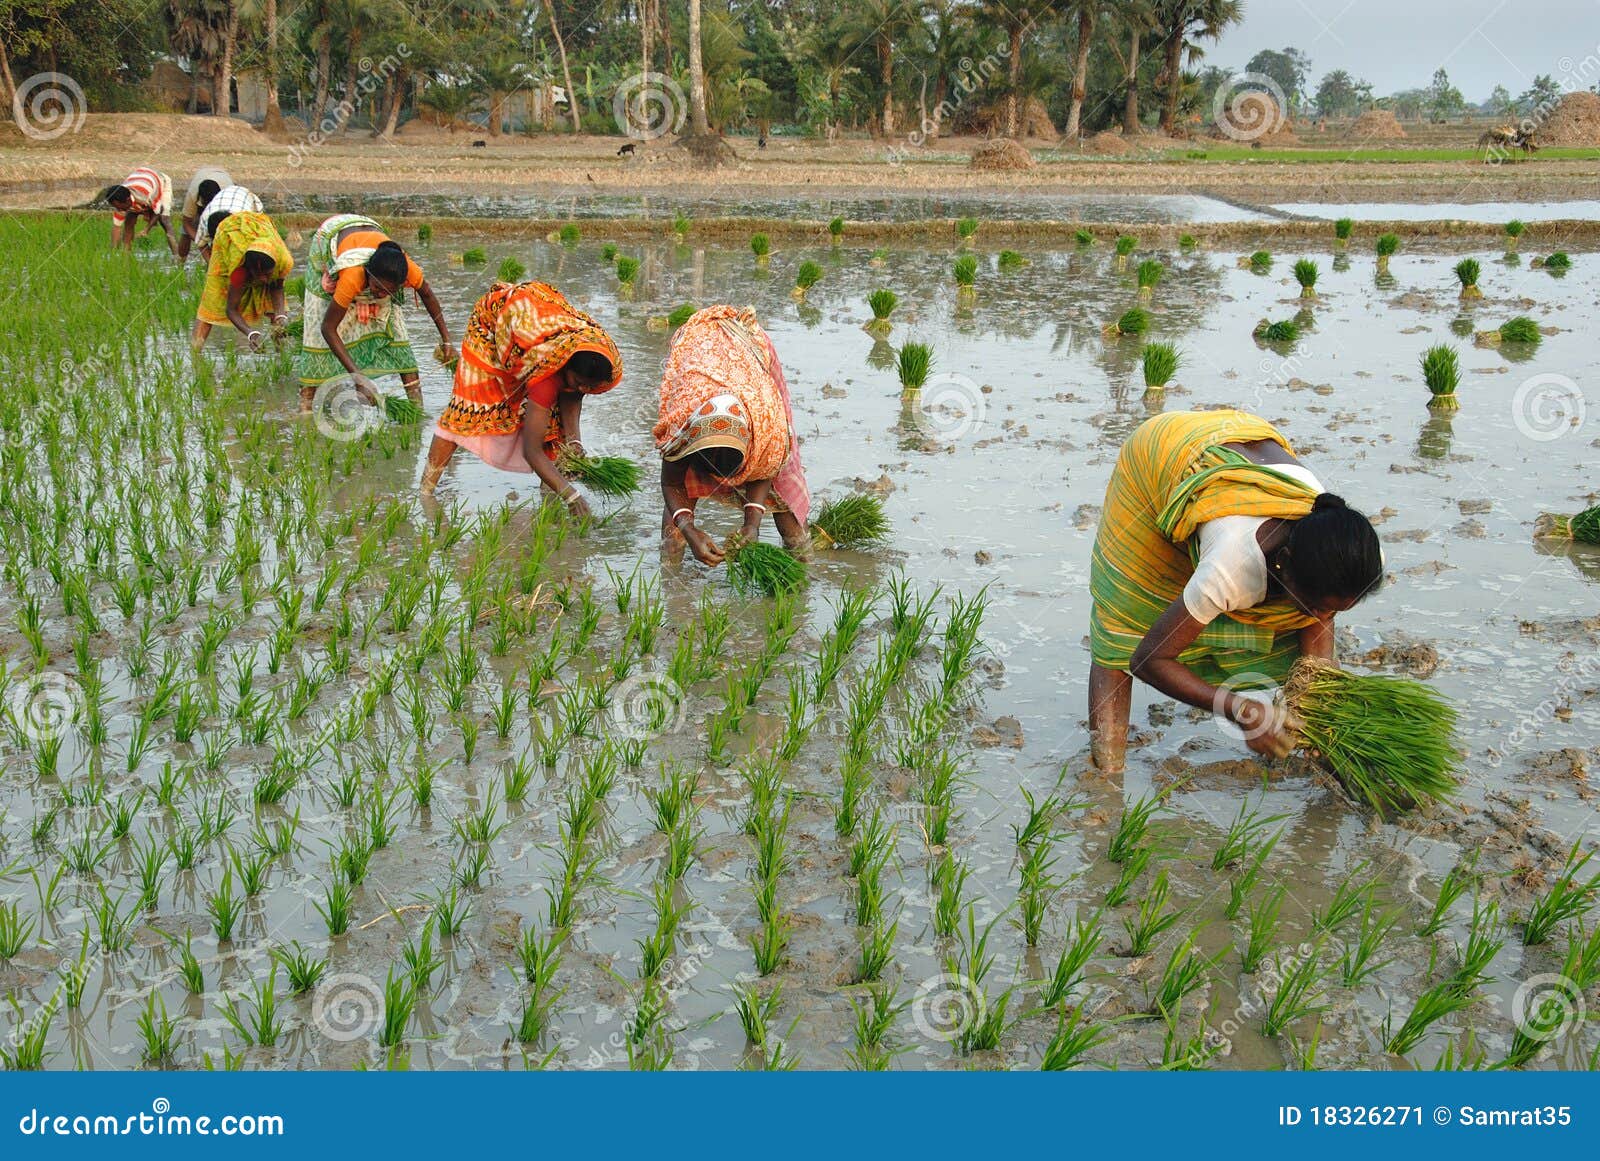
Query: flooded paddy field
<point x="548" y="796"/>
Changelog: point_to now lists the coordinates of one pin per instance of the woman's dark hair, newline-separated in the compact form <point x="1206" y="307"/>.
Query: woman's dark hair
<point x="257" y="265"/>
<point x="1334" y="552"/>
<point x="216" y="220"/>
<point x="116" y="193"/>
<point x="205" y="191"/>
<point x="590" y="366"/>
<point x="388" y="262"/>
<point x="721" y="462"/>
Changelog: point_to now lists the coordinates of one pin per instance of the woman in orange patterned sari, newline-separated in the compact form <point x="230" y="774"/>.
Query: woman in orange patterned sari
<point x="726" y="432"/>
<point x="528" y="359"/>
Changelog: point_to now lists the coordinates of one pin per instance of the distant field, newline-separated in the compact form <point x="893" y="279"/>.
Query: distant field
<point x="1394" y="154"/>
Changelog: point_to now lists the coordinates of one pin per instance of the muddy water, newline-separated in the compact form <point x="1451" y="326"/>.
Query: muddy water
<point x="996" y="484"/>
<point x="1579" y="209"/>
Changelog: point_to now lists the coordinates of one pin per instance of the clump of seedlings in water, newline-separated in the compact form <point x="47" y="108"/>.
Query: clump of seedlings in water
<point x="836" y="230"/>
<point x="1187" y="242"/>
<point x="425" y="233"/>
<point x="1159" y="361"/>
<point x="807" y="276"/>
<point x="627" y="270"/>
<point x="755" y="567"/>
<point x="1259" y="262"/>
<point x="1342" y="228"/>
<point x="1011" y="260"/>
<point x="1467" y="271"/>
<point x="570" y="234"/>
<point x="1569" y="898"/>
<point x="1125" y="245"/>
<point x="1513" y="230"/>
<point x="1133" y="322"/>
<point x="1148" y="274"/>
<point x="879" y="258"/>
<point x="1305" y="273"/>
<point x="607" y="475"/>
<point x="761" y="247"/>
<point x="476" y="256"/>
<point x="913" y="363"/>
<point x="965" y="272"/>
<point x="1557" y="262"/>
<point x="1083" y="237"/>
<point x="1441" y="371"/>
<point x="681" y="225"/>
<point x="854" y="521"/>
<point x="1386" y="247"/>
<point x="681" y="314"/>
<point x="882" y="303"/>
<point x="966" y="228"/>
<point x="1585" y="526"/>
<point x="1519" y="331"/>
<point x="510" y="270"/>
<point x="1281" y="331"/>
<point x="608" y="252"/>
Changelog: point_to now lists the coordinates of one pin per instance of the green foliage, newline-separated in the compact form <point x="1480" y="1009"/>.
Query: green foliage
<point x="510" y="270"/>
<point x="627" y="269"/>
<point x="914" y="362"/>
<point x="1441" y="371"/>
<point x="882" y="303"/>
<point x="760" y="245"/>
<point x="808" y="275"/>
<point x="1387" y="245"/>
<point x="965" y="270"/>
<point x="1342" y="229"/>
<point x="1160" y="363"/>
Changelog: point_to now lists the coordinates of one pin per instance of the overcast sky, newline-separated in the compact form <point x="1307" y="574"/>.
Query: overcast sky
<point x="1397" y="44"/>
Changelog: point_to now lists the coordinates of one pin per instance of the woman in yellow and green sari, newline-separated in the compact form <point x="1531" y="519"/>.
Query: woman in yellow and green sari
<point x="1219" y="560"/>
<point x="244" y="280"/>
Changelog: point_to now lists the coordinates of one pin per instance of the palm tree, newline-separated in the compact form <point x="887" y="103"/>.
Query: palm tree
<point x="205" y="31"/>
<point x="1016" y="19"/>
<point x="698" y="124"/>
<point x="1179" y="22"/>
<point x="1086" y="13"/>
<point x="1134" y="19"/>
<point x="266" y="11"/>
<point x="944" y="41"/>
<point x="566" y="71"/>
<point x="880" y="23"/>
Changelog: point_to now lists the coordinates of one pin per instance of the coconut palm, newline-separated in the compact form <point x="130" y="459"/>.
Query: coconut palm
<point x="1085" y="12"/>
<point x="943" y="40"/>
<point x="1134" y="22"/>
<point x="1180" y="23"/>
<point x="699" y="126"/>
<point x="566" y="71"/>
<point x="1016" y="18"/>
<point x="880" y="24"/>
<point x="205" y="31"/>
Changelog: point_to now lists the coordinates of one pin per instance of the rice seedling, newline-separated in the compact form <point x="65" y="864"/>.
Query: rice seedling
<point x="1519" y="331"/>
<point x="425" y="233"/>
<point x="1359" y="958"/>
<point x="1389" y="740"/>
<point x="606" y="475"/>
<point x="1132" y="868"/>
<point x="1443" y="999"/>
<point x="1568" y="898"/>
<point x="510" y="270"/>
<point x="1261" y="930"/>
<point x="1038" y="889"/>
<point x="1457" y="882"/>
<point x="1186" y="972"/>
<point x="1305" y="273"/>
<point x="882" y="303"/>
<point x="1299" y="992"/>
<point x="476" y="256"/>
<point x="1011" y="260"/>
<point x="1159" y="362"/>
<point x="1074" y="1039"/>
<point x="399" y="409"/>
<point x="399" y="1002"/>
<point x="340" y="900"/>
<point x="260" y="1022"/>
<point x="761" y="247"/>
<point x="627" y="268"/>
<point x="913" y="363"/>
<point x="1083" y="237"/>
<point x="1148" y="274"/>
<point x="1152" y="920"/>
<point x="1441" y="371"/>
<point x="1134" y="826"/>
<point x="1282" y="331"/>
<point x="1386" y="247"/>
<point x="304" y="970"/>
<point x="806" y="276"/>
<point x="1085" y="938"/>
<point x="1556" y="262"/>
<point x="965" y="272"/>
<point x="966" y="228"/>
<point x="875" y="952"/>
<point x="1125" y="245"/>
<point x="158" y="1031"/>
<point x="970" y="963"/>
<point x="1585" y="526"/>
<point x="836" y="230"/>
<point x="854" y="521"/>
<point x="14" y="930"/>
<point x="766" y="569"/>
<point x="450" y="910"/>
<point x="1342" y="228"/>
<point x="1467" y="271"/>
<point x="1349" y="898"/>
<point x="570" y="234"/>
<point x="1132" y="323"/>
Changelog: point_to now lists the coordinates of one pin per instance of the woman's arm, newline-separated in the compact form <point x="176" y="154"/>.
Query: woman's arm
<point x="235" y="297"/>
<point x="535" y="422"/>
<point x="569" y="405"/>
<point x="756" y="493"/>
<point x="1155" y="662"/>
<point x="280" y="311"/>
<point x="1317" y="640"/>
<point x="330" y="335"/>
<point x="431" y="304"/>
<point x="675" y="491"/>
<point x="191" y="228"/>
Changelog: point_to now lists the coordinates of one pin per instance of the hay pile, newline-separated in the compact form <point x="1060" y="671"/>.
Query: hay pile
<point x="1377" y="124"/>
<point x="1108" y="142"/>
<point x="147" y="133"/>
<point x="1033" y="120"/>
<point x="1001" y="154"/>
<point x="1574" y="121"/>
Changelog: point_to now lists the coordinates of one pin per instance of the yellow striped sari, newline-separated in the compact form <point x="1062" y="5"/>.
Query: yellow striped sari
<point x="237" y="236"/>
<point x="1173" y="475"/>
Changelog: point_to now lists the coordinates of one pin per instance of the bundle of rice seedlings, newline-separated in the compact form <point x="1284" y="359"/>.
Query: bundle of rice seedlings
<point x="855" y="521"/>
<point x="1389" y="740"/>
<point x="1342" y="229"/>
<point x="1467" y="271"/>
<point x="627" y="269"/>
<point x="836" y="230"/>
<point x="1283" y="331"/>
<point x="1011" y="260"/>
<point x="510" y="270"/>
<point x="807" y="276"/>
<point x="681" y="314"/>
<point x="1125" y="245"/>
<point x="474" y="257"/>
<point x="882" y="303"/>
<point x="1585" y="526"/>
<point x="1557" y="263"/>
<point x="425" y="233"/>
<point x="1148" y="273"/>
<point x="966" y="228"/>
<point x="1441" y="371"/>
<point x="1387" y="245"/>
<point x="444" y="361"/>
<point x="965" y="270"/>
<point x="1133" y="323"/>
<point x="880" y="257"/>
<point x="1160" y="363"/>
<point x="680" y="226"/>
<point x="607" y="475"/>
<point x="1521" y="329"/>
<point x="761" y="247"/>
<point x="1260" y="262"/>
<point x="1305" y="273"/>
<point x="1083" y="237"/>
<point x="608" y="252"/>
<point x="913" y="363"/>
<point x="399" y="409"/>
<point x="1514" y="230"/>
<point x="765" y="568"/>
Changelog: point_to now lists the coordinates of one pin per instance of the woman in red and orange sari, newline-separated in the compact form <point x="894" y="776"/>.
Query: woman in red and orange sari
<point x="726" y="432"/>
<point x="528" y="360"/>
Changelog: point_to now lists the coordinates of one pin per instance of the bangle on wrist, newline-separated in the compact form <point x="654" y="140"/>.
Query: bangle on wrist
<point x="677" y="522"/>
<point x="753" y="504"/>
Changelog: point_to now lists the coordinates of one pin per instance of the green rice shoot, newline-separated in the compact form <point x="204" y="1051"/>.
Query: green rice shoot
<point x="882" y="303"/>
<point x="1514" y="228"/>
<point x="627" y="269"/>
<point x="1305" y="273"/>
<point x="1467" y="271"/>
<point x="1187" y="241"/>
<point x="1558" y="260"/>
<point x="570" y="234"/>
<point x="1342" y="229"/>
<point x="807" y="276"/>
<point x="854" y="521"/>
<point x="1441" y="371"/>
<point x="681" y="314"/>
<point x="1011" y="260"/>
<point x="1389" y="740"/>
<point x="913" y="363"/>
<point x="1520" y="329"/>
<point x="1083" y="237"/>
<point x="1387" y="245"/>
<point x="1133" y="322"/>
<point x="1282" y="331"/>
<point x="608" y="252"/>
<point x="965" y="270"/>
<point x="966" y="228"/>
<point x="474" y="257"/>
<point x="766" y="569"/>
<point x="607" y="475"/>
<point x="510" y="270"/>
<point x="1148" y="273"/>
<point x="1159" y="361"/>
<point x="836" y="228"/>
<point x="1125" y="245"/>
<point x="399" y="409"/>
<point x="760" y="245"/>
<point x="425" y="233"/>
<point x="1261" y="260"/>
<point x="1585" y="526"/>
<point x="681" y="224"/>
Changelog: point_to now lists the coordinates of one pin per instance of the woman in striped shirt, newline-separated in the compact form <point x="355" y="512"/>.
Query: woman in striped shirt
<point x="145" y="195"/>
